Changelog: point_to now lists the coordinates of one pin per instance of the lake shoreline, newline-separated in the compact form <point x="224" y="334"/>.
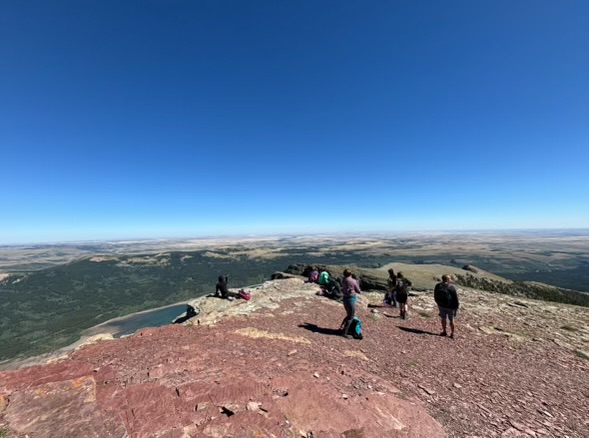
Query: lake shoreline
<point x="96" y="332"/>
<point x="86" y="332"/>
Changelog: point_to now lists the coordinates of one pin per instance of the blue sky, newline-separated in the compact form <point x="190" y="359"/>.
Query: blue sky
<point x="159" y="119"/>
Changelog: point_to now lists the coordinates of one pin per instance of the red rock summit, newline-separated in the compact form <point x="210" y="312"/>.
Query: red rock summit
<point x="274" y="367"/>
<point x="237" y="377"/>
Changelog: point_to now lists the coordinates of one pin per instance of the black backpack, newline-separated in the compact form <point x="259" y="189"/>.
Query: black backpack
<point x="442" y="295"/>
<point x="401" y="288"/>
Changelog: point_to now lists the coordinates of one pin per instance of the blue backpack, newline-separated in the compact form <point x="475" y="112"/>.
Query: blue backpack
<point x="355" y="328"/>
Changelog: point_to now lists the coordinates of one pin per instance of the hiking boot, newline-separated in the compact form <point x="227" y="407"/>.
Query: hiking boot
<point x="443" y="334"/>
<point x="348" y="337"/>
<point x="451" y="335"/>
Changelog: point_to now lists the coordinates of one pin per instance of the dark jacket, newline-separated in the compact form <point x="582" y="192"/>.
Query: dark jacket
<point x="222" y="287"/>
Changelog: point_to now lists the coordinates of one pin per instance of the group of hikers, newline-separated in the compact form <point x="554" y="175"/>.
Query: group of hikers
<point x="397" y="294"/>
<point x="347" y="289"/>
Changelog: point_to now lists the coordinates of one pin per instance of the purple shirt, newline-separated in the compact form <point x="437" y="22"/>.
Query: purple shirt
<point x="350" y="287"/>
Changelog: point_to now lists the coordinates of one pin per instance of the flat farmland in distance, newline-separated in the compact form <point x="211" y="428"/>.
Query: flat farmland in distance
<point x="559" y="257"/>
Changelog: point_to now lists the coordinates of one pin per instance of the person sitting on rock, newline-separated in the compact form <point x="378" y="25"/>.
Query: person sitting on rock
<point x="402" y="293"/>
<point x="349" y="290"/>
<point x="221" y="288"/>
<point x="446" y="298"/>
<point x="331" y="290"/>
<point x="313" y="275"/>
<point x="323" y="278"/>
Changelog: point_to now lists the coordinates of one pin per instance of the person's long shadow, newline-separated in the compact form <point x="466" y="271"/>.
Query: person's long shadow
<point x="417" y="331"/>
<point x="323" y="330"/>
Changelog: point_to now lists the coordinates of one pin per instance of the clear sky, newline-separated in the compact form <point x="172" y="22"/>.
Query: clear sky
<point x="139" y="119"/>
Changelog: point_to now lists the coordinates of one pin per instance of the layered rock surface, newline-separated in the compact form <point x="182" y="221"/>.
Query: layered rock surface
<point x="274" y="366"/>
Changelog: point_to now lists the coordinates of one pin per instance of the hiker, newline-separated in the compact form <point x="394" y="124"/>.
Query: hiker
<point x="447" y="300"/>
<point x="349" y="290"/>
<point x="221" y="287"/>
<point x="331" y="290"/>
<point x="401" y="291"/>
<point x="334" y="289"/>
<point x="323" y="278"/>
<point x="390" y="296"/>
<point x="313" y="275"/>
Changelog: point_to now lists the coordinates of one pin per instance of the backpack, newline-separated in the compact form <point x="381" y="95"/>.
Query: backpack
<point x="244" y="295"/>
<point x="401" y="288"/>
<point x="355" y="328"/>
<point x="442" y="295"/>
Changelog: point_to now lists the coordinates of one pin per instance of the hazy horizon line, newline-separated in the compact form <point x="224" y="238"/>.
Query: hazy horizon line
<point x="244" y="236"/>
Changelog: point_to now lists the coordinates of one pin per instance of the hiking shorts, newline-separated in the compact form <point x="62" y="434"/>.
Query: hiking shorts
<point x="447" y="313"/>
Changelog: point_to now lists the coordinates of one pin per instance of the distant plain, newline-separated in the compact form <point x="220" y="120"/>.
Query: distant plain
<point x="49" y="294"/>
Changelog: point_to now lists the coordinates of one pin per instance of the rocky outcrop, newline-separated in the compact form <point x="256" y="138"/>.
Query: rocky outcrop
<point x="524" y="289"/>
<point x="371" y="279"/>
<point x="281" y="276"/>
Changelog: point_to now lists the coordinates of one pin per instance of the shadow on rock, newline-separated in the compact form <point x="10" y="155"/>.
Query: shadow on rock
<point x="417" y="331"/>
<point x="323" y="330"/>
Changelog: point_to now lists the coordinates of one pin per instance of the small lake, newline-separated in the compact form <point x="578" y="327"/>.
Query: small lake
<point x="127" y="325"/>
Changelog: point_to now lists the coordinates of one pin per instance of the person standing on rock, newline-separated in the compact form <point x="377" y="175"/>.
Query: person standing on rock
<point x="349" y="290"/>
<point x="221" y="288"/>
<point x="402" y="293"/>
<point x="446" y="298"/>
<point x="390" y="296"/>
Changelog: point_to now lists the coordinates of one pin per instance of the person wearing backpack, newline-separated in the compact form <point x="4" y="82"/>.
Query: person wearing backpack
<point x="349" y="290"/>
<point x="390" y="296"/>
<point x="402" y="293"/>
<point x="323" y="278"/>
<point x="446" y="298"/>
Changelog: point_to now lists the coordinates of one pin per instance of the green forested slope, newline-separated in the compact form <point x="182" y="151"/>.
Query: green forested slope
<point x="44" y="310"/>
